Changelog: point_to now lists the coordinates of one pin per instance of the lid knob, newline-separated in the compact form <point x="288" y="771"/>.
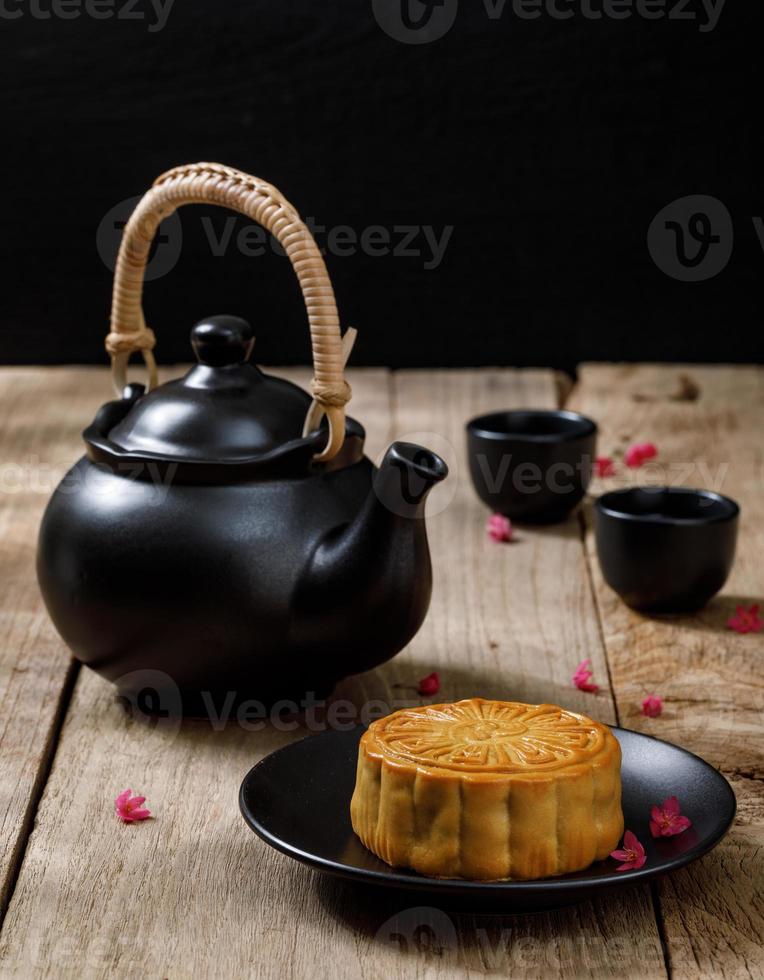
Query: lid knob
<point x="221" y="340"/>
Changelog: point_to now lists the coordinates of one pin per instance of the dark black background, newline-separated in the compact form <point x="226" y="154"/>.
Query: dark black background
<point x="548" y="145"/>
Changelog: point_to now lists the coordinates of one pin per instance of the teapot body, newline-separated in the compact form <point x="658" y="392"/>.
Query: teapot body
<point x="197" y="591"/>
<point x="224" y="536"/>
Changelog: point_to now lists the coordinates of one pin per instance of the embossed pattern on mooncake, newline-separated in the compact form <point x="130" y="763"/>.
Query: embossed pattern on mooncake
<point x="490" y="736"/>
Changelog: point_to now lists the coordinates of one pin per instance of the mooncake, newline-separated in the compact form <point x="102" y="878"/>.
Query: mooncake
<point x="488" y="790"/>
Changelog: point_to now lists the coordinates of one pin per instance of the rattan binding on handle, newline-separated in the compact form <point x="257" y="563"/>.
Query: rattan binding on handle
<point x="212" y="183"/>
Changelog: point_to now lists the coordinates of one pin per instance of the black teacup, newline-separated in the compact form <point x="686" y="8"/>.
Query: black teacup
<point x="665" y="549"/>
<point x="531" y="465"/>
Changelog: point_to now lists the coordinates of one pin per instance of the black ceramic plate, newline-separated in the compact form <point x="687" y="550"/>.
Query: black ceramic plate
<point x="298" y="801"/>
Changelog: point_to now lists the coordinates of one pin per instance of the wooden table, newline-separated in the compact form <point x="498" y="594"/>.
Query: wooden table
<point x="194" y="893"/>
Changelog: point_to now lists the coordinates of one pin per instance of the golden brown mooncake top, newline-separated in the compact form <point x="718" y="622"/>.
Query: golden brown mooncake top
<point x="491" y="737"/>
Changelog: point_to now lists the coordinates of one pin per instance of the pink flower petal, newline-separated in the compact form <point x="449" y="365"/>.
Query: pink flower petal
<point x="583" y="685"/>
<point x="604" y="466"/>
<point x="671" y="805"/>
<point x="128" y="808"/>
<point x="140" y="814"/>
<point x="746" y="620"/>
<point x="429" y="685"/>
<point x="123" y="797"/>
<point x="666" y="820"/>
<point x="499" y="528"/>
<point x="652" y="706"/>
<point x="632" y="854"/>
<point x="582" y="678"/>
<point x="639" y="453"/>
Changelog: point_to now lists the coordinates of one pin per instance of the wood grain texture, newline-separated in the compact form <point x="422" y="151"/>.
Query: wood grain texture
<point x="40" y="422"/>
<point x="513" y="621"/>
<point x="193" y="893"/>
<point x="711" y="679"/>
<point x="43" y="412"/>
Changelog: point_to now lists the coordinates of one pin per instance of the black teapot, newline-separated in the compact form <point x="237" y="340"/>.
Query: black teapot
<point x="224" y="531"/>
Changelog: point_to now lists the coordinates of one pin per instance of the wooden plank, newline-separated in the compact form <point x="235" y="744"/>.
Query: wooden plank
<point x="43" y="412"/>
<point x="512" y="622"/>
<point x="711" y="679"/>
<point x="193" y="892"/>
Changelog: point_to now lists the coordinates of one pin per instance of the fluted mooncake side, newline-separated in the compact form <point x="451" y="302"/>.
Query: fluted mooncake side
<point x="488" y="790"/>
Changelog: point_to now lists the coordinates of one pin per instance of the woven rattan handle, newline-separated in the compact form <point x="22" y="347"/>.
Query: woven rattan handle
<point x="211" y="183"/>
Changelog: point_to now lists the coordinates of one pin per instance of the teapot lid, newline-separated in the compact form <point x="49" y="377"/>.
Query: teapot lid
<point x="224" y="409"/>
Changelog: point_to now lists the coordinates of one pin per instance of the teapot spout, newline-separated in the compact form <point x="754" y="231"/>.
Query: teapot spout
<point x="367" y="588"/>
<point x="405" y="477"/>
